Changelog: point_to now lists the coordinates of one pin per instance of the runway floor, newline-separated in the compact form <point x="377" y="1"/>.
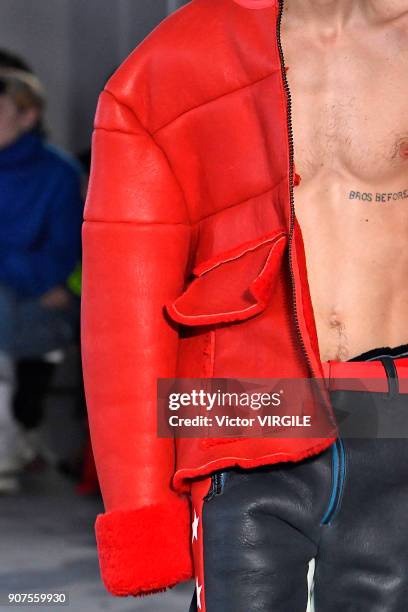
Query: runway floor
<point x="47" y="545"/>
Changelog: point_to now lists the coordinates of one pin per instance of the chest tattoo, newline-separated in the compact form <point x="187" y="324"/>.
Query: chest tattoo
<point x="378" y="196"/>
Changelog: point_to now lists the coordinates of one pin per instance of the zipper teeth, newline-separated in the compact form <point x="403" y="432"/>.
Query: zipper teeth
<point x="339" y="484"/>
<point x="335" y="474"/>
<point x="217" y="483"/>
<point x="291" y="165"/>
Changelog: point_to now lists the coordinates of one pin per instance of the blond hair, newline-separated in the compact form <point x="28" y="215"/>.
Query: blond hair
<point x="26" y="91"/>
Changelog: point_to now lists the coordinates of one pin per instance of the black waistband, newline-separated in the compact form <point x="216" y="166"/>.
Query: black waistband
<point x="385" y="351"/>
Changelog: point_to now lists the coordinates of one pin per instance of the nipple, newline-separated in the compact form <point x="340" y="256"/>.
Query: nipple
<point x="403" y="148"/>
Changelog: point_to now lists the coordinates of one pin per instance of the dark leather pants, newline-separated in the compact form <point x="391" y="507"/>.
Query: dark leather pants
<point x="347" y="508"/>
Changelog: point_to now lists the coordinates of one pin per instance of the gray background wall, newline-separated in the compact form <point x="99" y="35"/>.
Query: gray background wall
<point x="73" y="45"/>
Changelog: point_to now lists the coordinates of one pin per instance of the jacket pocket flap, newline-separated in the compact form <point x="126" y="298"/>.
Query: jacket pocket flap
<point x="232" y="286"/>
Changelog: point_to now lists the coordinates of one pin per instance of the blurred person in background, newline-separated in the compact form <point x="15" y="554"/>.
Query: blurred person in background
<point x="9" y="59"/>
<point x="41" y="215"/>
<point x="34" y="374"/>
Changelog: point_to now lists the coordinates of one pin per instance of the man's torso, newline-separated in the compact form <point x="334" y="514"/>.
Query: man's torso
<point x="350" y="126"/>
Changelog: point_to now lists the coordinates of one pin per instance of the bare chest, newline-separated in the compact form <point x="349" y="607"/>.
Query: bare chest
<point x="350" y="110"/>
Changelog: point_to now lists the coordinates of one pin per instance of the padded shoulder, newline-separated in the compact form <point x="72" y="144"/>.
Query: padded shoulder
<point x="169" y="72"/>
<point x="161" y="65"/>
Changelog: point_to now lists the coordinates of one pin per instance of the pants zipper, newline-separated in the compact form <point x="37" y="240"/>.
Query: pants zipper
<point x="338" y="478"/>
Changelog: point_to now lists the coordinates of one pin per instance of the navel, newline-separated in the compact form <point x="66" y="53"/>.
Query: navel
<point x="337" y="325"/>
<point x="335" y="321"/>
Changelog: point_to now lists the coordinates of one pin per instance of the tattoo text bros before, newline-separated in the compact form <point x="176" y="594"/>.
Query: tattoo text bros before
<point x="369" y="196"/>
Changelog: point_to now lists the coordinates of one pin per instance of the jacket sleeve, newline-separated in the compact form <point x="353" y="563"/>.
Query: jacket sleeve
<point x="135" y="241"/>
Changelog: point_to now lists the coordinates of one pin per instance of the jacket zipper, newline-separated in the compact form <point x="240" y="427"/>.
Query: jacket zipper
<point x="291" y="181"/>
<point x="217" y="485"/>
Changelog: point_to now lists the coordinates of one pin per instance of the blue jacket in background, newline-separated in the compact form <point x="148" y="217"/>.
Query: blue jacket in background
<point x="40" y="216"/>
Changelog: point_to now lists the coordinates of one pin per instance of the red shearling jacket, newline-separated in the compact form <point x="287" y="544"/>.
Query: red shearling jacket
<point x="193" y="266"/>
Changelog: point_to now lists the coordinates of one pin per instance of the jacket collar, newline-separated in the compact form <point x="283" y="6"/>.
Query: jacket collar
<point x="256" y="4"/>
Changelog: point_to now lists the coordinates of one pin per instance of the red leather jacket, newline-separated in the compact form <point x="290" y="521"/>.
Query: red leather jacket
<point x="193" y="266"/>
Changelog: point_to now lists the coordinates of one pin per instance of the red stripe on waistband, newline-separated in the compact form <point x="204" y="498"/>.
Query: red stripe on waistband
<point x="363" y="375"/>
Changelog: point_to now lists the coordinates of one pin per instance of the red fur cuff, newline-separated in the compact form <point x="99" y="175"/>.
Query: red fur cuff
<point x="146" y="550"/>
